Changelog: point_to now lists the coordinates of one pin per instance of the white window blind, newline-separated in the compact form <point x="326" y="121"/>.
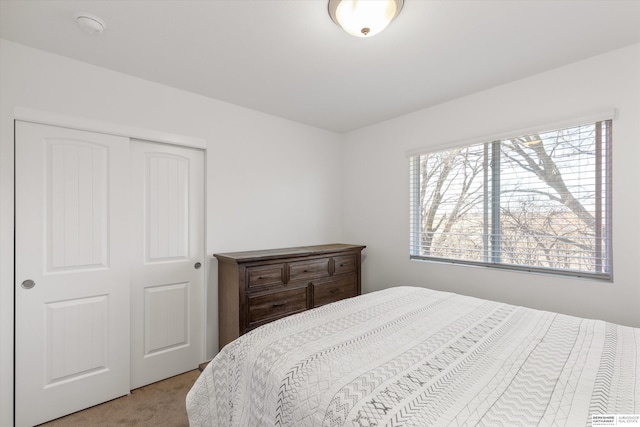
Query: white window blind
<point x="536" y="202"/>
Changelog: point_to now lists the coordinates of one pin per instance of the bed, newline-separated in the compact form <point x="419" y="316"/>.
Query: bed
<point x="409" y="356"/>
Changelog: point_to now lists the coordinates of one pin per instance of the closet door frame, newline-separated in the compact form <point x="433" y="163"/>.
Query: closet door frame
<point x="98" y="126"/>
<point x="132" y="132"/>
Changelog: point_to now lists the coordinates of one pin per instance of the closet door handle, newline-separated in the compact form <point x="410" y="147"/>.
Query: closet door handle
<point x="28" y="284"/>
<point x="197" y="265"/>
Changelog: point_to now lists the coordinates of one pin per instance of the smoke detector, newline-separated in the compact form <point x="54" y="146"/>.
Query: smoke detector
<point x="90" y="23"/>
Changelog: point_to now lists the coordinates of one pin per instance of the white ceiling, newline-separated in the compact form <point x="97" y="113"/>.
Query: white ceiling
<point x="288" y="58"/>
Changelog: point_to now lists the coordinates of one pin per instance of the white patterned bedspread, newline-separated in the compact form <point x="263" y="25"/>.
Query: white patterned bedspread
<point x="416" y="357"/>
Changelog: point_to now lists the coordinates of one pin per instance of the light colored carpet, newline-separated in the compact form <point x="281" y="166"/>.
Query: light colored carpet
<point x="160" y="404"/>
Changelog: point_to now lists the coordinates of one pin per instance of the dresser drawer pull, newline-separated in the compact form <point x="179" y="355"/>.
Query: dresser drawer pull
<point x="334" y="290"/>
<point x="279" y="304"/>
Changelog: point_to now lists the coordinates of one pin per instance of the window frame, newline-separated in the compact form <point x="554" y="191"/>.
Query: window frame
<point x="604" y="210"/>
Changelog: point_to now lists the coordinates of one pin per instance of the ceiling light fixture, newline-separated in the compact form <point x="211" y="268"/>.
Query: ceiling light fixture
<point x="90" y="23"/>
<point x="364" y="18"/>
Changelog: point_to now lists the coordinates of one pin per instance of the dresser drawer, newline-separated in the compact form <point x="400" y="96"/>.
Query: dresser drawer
<point x="308" y="269"/>
<point x="340" y="288"/>
<point x="265" y="275"/>
<point x="345" y="264"/>
<point x="277" y="304"/>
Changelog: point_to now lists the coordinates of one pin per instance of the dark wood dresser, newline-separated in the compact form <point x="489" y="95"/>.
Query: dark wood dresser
<point x="258" y="287"/>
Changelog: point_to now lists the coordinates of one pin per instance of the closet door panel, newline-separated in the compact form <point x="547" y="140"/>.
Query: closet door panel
<point x="72" y="271"/>
<point x="167" y="256"/>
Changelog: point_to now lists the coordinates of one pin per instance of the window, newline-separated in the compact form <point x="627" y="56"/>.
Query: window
<point x="538" y="202"/>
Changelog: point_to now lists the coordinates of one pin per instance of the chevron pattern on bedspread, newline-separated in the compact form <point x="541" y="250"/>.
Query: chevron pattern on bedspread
<point x="416" y="357"/>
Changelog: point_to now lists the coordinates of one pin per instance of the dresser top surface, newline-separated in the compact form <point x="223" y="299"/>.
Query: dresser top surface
<point x="287" y="252"/>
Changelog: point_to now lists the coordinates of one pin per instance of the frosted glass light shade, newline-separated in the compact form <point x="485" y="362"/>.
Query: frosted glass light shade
<point x="364" y="18"/>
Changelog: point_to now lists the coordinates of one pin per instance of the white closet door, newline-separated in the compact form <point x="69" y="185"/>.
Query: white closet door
<point x="72" y="274"/>
<point x="167" y="275"/>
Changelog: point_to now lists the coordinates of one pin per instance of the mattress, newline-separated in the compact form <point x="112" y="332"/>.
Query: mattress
<point x="410" y="356"/>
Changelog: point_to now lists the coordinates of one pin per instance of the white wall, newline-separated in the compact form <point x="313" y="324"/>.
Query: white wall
<point x="376" y="191"/>
<point x="270" y="182"/>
